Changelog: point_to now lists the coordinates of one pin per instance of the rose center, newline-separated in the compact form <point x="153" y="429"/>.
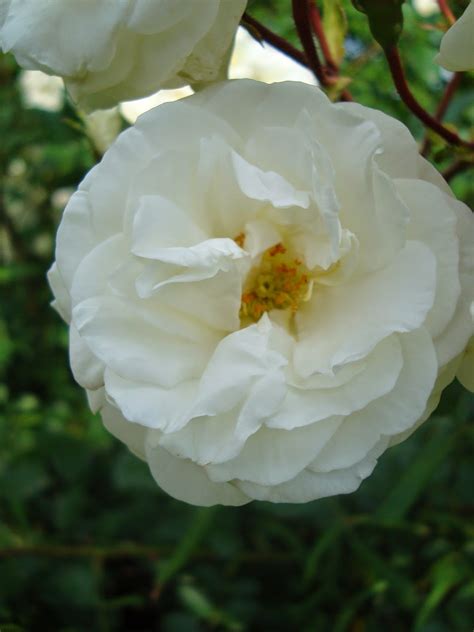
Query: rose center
<point x="279" y="281"/>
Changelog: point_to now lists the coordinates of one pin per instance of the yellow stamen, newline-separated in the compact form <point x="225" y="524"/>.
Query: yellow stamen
<point x="279" y="282"/>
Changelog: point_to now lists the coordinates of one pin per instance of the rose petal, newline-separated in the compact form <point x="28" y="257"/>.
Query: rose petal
<point x="187" y="481"/>
<point x="387" y="415"/>
<point x="356" y="316"/>
<point x="302" y="407"/>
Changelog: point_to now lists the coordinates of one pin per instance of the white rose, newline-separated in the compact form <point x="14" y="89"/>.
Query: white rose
<point x="457" y="46"/>
<point x="41" y="91"/>
<point x="112" y="51"/>
<point x="426" y="7"/>
<point x="263" y="288"/>
<point x="103" y="127"/>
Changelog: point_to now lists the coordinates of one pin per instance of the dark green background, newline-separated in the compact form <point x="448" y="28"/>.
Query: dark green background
<point x="87" y="540"/>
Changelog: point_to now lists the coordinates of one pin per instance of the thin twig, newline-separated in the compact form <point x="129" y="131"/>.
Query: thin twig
<point x="456" y="168"/>
<point x="446" y="11"/>
<point x="398" y="76"/>
<point x="274" y="40"/>
<point x="95" y="552"/>
<point x="301" y="16"/>
<point x="442" y="107"/>
<point x="129" y="551"/>
<point x="447" y="96"/>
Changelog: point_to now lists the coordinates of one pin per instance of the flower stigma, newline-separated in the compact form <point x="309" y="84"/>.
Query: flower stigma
<point x="280" y="281"/>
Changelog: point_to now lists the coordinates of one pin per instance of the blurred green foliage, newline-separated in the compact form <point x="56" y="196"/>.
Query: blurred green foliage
<point x="87" y="540"/>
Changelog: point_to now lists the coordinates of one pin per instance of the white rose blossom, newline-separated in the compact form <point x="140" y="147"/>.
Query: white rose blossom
<point x="265" y="291"/>
<point x="457" y="46"/>
<point x="112" y="51"/>
<point x="41" y="91"/>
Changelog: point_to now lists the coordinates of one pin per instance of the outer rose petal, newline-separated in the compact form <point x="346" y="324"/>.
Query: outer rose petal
<point x="453" y="339"/>
<point x="132" y="435"/>
<point x="273" y="456"/>
<point x="457" y="50"/>
<point x="309" y="485"/>
<point x="434" y="221"/>
<point x="389" y="414"/>
<point x="465" y="372"/>
<point x="187" y="481"/>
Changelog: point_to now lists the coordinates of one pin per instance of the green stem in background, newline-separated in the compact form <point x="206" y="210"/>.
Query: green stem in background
<point x="198" y="528"/>
<point x="131" y="551"/>
<point x="398" y="76"/>
<point x="446" y="11"/>
<point x="318" y="29"/>
<point x="278" y="42"/>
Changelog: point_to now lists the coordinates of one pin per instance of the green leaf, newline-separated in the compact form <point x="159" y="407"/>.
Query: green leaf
<point x="314" y="555"/>
<point x="184" y="550"/>
<point x="198" y="603"/>
<point x="416" y="477"/>
<point x="335" y="27"/>
<point x="448" y="573"/>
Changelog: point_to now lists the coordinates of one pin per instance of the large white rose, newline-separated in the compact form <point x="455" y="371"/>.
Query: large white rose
<point x="265" y="290"/>
<point x="112" y="51"/>
<point x="457" y="46"/>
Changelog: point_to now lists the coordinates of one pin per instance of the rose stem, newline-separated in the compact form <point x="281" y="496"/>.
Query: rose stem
<point x="301" y="16"/>
<point x="398" y="76"/>
<point x="446" y="11"/>
<point x="443" y="106"/>
<point x="274" y="40"/>
<point x="331" y="65"/>
<point x="457" y="167"/>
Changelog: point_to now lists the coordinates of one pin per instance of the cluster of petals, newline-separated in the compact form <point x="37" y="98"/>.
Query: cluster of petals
<point x="166" y="237"/>
<point x="110" y="51"/>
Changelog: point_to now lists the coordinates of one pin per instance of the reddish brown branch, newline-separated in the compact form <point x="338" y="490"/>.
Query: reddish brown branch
<point x="456" y="168"/>
<point x="447" y="96"/>
<point x="301" y="16"/>
<point x="442" y="107"/>
<point x="274" y="40"/>
<point x="398" y="76"/>
<point x="446" y="11"/>
<point x="327" y="76"/>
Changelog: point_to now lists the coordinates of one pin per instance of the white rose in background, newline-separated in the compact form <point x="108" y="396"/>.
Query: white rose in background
<point x="426" y="7"/>
<point x="39" y="90"/>
<point x="103" y="127"/>
<point x="457" y="46"/>
<point x="250" y="60"/>
<point x="266" y="329"/>
<point x="111" y="51"/>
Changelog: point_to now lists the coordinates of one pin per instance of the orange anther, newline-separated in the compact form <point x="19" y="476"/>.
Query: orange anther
<point x="239" y="240"/>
